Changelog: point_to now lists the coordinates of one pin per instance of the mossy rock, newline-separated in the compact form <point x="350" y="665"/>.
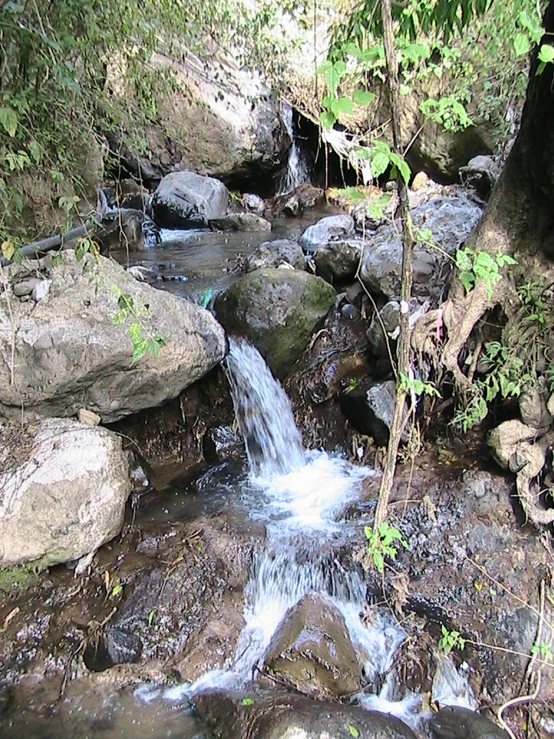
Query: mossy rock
<point x="277" y="310"/>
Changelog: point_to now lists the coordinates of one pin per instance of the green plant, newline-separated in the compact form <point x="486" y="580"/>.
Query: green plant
<point x="143" y="340"/>
<point x="417" y="386"/>
<point x="450" y="640"/>
<point x="473" y="266"/>
<point x="381" y="544"/>
<point x="543" y="650"/>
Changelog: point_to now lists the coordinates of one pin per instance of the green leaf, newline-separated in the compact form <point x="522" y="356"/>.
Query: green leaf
<point x="327" y="119"/>
<point x="353" y="731"/>
<point x="116" y="590"/>
<point x="135" y="332"/>
<point x="467" y="279"/>
<point x="379" y="163"/>
<point x="247" y="701"/>
<point x="546" y="54"/>
<point x="139" y="350"/>
<point x="8" y="119"/>
<point x="363" y="97"/>
<point x="154" y="347"/>
<point x="521" y="44"/>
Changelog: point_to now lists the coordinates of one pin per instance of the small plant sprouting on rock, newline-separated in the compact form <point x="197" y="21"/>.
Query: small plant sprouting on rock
<point x="143" y="340"/>
<point x="381" y="544"/>
<point x="450" y="640"/>
<point x="543" y="650"/>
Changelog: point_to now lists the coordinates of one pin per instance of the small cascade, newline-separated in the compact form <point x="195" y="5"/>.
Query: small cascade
<point x="263" y="411"/>
<point x="297" y="169"/>
<point x="301" y="496"/>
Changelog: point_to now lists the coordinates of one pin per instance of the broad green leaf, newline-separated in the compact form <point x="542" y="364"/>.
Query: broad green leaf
<point x="342" y="105"/>
<point x="379" y="163"/>
<point x="467" y="279"/>
<point x="546" y="54"/>
<point x="8" y="119"/>
<point x="135" y="332"/>
<point x="139" y="350"/>
<point x="247" y="701"/>
<point x="353" y="731"/>
<point x="521" y="44"/>
<point x="8" y="248"/>
<point x="363" y="97"/>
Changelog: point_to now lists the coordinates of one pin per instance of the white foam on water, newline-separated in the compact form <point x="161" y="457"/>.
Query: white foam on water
<point x="311" y="496"/>
<point x="177" y="234"/>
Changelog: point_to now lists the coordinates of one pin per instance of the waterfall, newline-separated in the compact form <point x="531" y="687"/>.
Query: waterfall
<point x="297" y="169"/>
<point x="301" y="496"/>
<point x="263" y="411"/>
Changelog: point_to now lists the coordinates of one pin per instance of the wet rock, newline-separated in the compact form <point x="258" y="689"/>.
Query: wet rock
<point x="294" y="203"/>
<point x="276" y="310"/>
<point x="311" y="651"/>
<point x="338" y="260"/>
<point x="116" y="647"/>
<point x="472" y="566"/>
<point x="330" y="228"/>
<point x="450" y="221"/>
<point x="189" y="200"/>
<point x="336" y="359"/>
<point x="253" y="203"/>
<point x="370" y="412"/>
<point x="275" y="254"/>
<point x="64" y="490"/>
<point x="505" y="439"/>
<point x="221" y="442"/>
<point x="124" y="229"/>
<point x="240" y="222"/>
<point x="481" y="173"/>
<point x="461" y="723"/>
<point x="235" y="715"/>
<point x="68" y="354"/>
<point x="389" y="319"/>
<point x="533" y="408"/>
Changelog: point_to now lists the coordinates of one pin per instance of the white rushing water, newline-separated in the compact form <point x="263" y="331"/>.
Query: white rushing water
<point x="297" y="169"/>
<point x="302" y="495"/>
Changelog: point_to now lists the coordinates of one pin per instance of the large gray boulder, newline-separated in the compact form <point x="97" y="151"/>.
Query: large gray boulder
<point x="277" y="310"/>
<point x="450" y="221"/>
<point x="66" y="353"/>
<point x="311" y="651"/>
<point x="62" y="491"/>
<point x="338" y="261"/>
<point x="240" y="222"/>
<point x="276" y="254"/>
<point x="189" y="200"/>
<point x="330" y="228"/>
<point x="235" y="715"/>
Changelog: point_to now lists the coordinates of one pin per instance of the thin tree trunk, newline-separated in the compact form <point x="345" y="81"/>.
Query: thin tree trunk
<point x="407" y="253"/>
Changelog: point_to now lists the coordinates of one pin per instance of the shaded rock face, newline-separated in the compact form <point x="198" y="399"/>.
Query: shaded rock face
<point x="330" y="228"/>
<point x="68" y="496"/>
<point x="461" y="723"/>
<point x="240" y="222"/>
<point x="276" y="310"/>
<point x="294" y="203"/>
<point x="217" y="119"/>
<point x="280" y="716"/>
<point x="370" y="412"/>
<point x="68" y="353"/>
<point x="275" y="254"/>
<point x="450" y="221"/>
<point x="189" y="200"/>
<point x="311" y="651"/>
<point x="338" y="260"/>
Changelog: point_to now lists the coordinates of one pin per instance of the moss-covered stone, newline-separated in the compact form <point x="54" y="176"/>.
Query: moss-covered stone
<point x="277" y="310"/>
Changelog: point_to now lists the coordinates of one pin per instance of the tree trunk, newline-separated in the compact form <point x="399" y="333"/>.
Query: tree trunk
<point x="407" y="256"/>
<point x="519" y="218"/>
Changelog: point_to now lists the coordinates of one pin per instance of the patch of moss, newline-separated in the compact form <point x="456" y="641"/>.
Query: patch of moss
<point x="19" y="577"/>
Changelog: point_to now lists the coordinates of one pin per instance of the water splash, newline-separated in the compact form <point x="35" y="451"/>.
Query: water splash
<point x="297" y="169"/>
<point x="263" y="411"/>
